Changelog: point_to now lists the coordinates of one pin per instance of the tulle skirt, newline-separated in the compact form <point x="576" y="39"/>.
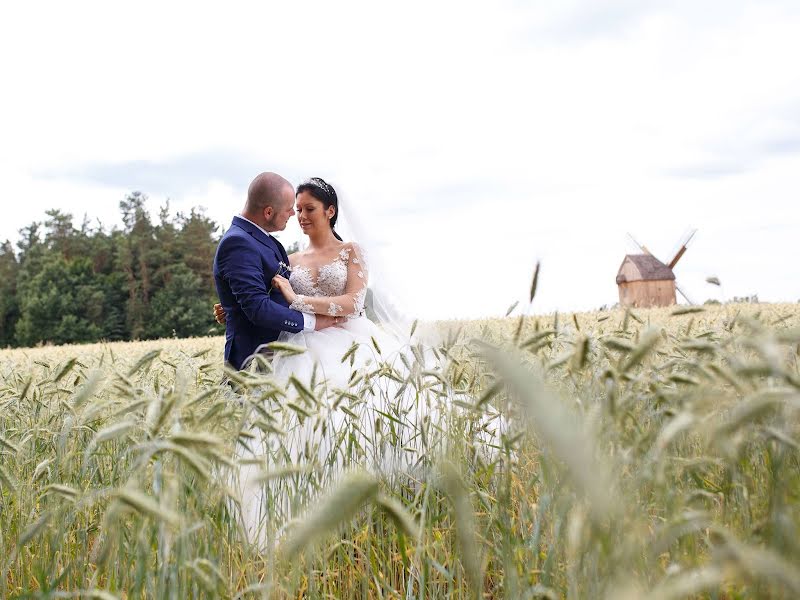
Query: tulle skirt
<point x="356" y="397"/>
<point x="348" y="401"/>
<point x="360" y="340"/>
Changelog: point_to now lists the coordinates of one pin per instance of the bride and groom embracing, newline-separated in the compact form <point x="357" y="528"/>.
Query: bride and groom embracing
<point x="365" y="396"/>
<point x="314" y="299"/>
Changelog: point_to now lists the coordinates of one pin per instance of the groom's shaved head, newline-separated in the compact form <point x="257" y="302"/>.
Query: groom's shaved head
<point x="267" y="189"/>
<point x="270" y="202"/>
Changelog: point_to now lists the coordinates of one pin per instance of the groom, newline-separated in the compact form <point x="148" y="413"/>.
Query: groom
<point x="247" y="259"/>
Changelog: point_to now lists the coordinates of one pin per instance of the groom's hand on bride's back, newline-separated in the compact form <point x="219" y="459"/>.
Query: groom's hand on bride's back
<point x="325" y="321"/>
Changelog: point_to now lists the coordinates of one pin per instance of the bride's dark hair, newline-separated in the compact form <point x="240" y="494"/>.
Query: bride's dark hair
<point x="324" y="192"/>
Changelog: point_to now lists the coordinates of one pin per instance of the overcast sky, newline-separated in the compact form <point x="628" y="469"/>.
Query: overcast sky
<point x="472" y="138"/>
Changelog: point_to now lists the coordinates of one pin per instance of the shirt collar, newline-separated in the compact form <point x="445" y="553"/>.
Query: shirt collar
<point x="264" y="231"/>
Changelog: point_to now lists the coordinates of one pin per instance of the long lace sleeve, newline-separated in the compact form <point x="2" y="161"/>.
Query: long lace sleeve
<point x="351" y="302"/>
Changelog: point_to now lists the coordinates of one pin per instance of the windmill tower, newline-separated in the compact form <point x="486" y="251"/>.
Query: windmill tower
<point x="644" y="281"/>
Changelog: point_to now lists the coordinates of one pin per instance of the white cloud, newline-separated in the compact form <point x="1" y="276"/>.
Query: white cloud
<point x="506" y="132"/>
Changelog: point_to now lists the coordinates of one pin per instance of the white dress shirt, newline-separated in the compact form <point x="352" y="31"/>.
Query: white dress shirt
<point x="309" y="321"/>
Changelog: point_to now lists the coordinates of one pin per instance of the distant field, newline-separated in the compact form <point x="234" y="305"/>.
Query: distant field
<point x="641" y="454"/>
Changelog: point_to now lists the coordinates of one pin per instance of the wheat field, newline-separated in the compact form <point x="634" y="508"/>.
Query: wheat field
<point x="639" y="454"/>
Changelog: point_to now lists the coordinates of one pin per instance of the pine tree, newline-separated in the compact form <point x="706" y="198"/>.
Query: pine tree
<point x="136" y="251"/>
<point x="9" y="309"/>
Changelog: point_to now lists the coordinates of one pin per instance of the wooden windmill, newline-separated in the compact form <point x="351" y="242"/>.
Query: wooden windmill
<point x="645" y="281"/>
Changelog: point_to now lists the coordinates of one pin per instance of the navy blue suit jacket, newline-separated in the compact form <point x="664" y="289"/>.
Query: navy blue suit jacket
<point x="244" y="265"/>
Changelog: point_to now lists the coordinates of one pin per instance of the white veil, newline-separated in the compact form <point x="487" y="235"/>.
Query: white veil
<point x="382" y="304"/>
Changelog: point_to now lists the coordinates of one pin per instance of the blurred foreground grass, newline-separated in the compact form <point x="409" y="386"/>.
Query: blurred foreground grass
<point x="599" y="455"/>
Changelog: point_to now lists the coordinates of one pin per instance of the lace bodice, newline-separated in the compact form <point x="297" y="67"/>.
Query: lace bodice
<point x="330" y="280"/>
<point x="338" y="288"/>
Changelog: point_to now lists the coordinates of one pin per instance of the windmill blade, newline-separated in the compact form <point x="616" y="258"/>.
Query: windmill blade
<point x="685" y="297"/>
<point x="683" y="245"/>
<point x="641" y="247"/>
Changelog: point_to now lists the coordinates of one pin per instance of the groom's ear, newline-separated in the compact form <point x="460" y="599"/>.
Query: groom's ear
<point x="267" y="213"/>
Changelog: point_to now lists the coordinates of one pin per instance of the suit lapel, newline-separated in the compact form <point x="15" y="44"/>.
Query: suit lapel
<point x="267" y="240"/>
<point x="282" y="250"/>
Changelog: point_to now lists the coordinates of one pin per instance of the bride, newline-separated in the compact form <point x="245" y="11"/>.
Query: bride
<point x="329" y="277"/>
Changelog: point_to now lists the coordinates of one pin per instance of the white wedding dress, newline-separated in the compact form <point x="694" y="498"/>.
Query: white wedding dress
<point x="338" y="289"/>
<point x="354" y="398"/>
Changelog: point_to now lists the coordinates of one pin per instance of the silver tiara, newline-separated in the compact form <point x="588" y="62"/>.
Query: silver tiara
<point x="319" y="183"/>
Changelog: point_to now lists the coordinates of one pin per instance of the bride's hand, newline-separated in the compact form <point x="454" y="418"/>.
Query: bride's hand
<point x="219" y="314"/>
<point x="284" y="287"/>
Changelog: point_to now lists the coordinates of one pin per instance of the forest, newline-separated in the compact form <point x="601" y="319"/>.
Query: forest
<point x="71" y="283"/>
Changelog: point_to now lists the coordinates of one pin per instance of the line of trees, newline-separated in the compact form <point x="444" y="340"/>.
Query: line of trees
<point x="66" y="283"/>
